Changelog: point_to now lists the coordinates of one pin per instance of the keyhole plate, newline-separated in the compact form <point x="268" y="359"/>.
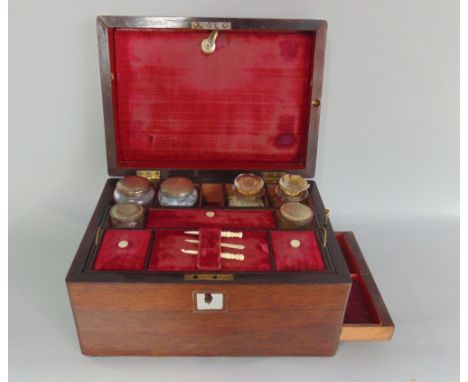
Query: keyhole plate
<point x="209" y="301"/>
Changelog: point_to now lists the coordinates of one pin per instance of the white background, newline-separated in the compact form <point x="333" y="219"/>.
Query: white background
<point x="387" y="169"/>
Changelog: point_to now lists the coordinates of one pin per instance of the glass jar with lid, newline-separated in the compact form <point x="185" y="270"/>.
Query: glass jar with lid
<point x="248" y="191"/>
<point x="295" y="215"/>
<point x="177" y="191"/>
<point x="127" y="215"/>
<point x="292" y="188"/>
<point x="134" y="189"/>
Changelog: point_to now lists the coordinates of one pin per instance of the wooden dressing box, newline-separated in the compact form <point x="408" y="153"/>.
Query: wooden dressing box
<point x="209" y="99"/>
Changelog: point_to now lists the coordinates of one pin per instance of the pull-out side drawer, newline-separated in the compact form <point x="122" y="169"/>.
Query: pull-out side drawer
<point x="366" y="317"/>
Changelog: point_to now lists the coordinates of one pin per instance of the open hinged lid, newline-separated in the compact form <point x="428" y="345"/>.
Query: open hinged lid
<point x="180" y="97"/>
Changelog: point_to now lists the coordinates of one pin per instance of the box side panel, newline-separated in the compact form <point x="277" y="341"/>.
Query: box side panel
<point x="162" y="319"/>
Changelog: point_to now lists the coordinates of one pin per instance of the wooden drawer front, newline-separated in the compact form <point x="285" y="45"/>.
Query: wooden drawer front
<point x="366" y="316"/>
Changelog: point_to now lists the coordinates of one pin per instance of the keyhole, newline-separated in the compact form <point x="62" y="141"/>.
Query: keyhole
<point x="208" y="298"/>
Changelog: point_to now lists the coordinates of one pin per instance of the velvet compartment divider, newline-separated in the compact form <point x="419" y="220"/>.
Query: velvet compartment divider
<point x="209" y="249"/>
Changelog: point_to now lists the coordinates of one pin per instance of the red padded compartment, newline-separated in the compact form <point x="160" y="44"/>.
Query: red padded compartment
<point x="166" y="254"/>
<point x="111" y="257"/>
<point x="196" y="218"/>
<point x="247" y="105"/>
<point x="308" y="257"/>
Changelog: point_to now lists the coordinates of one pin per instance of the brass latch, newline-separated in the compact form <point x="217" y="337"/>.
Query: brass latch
<point x="208" y="45"/>
<point x="326" y="214"/>
<point x="152" y="175"/>
<point x="98" y="237"/>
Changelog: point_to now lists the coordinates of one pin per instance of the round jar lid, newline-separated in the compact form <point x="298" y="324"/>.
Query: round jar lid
<point x="133" y="185"/>
<point x="126" y="211"/>
<point x="296" y="212"/>
<point x="177" y="187"/>
<point x="248" y="184"/>
<point x="293" y="185"/>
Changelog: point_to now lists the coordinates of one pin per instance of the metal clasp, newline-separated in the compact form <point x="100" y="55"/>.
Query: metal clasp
<point x="209" y="277"/>
<point x="208" y="45"/>
<point x="152" y="175"/>
<point x="326" y="214"/>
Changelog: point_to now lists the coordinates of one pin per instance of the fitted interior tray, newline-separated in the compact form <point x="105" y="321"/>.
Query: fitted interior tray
<point x="366" y="317"/>
<point x="99" y="257"/>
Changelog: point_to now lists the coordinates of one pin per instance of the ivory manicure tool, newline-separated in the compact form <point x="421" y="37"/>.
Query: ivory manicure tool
<point x="225" y="245"/>
<point x="227" y="234"/>
<point x="224" y="255"/>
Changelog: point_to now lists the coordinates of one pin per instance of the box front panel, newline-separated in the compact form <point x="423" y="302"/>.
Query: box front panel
<point x="208" y="319"/>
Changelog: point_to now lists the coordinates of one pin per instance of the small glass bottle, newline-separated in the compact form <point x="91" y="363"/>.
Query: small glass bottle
<point x="127" y="215"/>
<point x="248" y="191"/>
<point x="295" y="215"/>
<point x="292" y="188"/>
<point x="134" y="189"/>
<point x="177" y="192"/>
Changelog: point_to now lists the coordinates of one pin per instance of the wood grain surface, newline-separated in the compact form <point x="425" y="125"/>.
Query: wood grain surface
<point x="160" y="319"/>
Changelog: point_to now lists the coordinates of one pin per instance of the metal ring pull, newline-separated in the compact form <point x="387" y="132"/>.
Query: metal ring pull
<point x="208" y="45"/>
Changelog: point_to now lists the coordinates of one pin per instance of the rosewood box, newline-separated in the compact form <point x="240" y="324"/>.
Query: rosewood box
<point x="209" y="99"/>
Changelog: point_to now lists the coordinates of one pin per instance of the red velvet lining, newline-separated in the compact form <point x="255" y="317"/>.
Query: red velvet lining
<point x="360" y="307"/>
<point x="132" y="258"/>
<point x="308" y="257"/>
<point x="209" y="249"/>
<point x="246" y="105"/>
<point x="196" y="218"/>
<point x="348" y="253"/>
<point x="166" y="254"/>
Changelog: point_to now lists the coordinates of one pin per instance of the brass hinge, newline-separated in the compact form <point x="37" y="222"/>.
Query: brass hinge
<point x="272" y="176"/>
<point x="152" y="175"/>
<point x="209" y="276"/>
<point x="211" y="25"/>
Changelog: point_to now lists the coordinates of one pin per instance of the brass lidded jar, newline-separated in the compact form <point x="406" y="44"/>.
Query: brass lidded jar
<point x="134" y="189"/>
<point x="177" y="191"/>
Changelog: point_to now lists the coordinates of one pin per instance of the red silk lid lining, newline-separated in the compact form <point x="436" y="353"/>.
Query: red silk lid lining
<point x="246" y="106"/>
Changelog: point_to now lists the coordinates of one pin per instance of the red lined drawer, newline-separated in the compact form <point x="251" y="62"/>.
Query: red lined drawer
<point x="366" y="317"/>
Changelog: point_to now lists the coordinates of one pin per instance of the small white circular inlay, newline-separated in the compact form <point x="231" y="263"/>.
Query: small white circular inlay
<point x="210" y="214"/>
<point x="123" y="244"/>
<point x="295" y="243"/>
